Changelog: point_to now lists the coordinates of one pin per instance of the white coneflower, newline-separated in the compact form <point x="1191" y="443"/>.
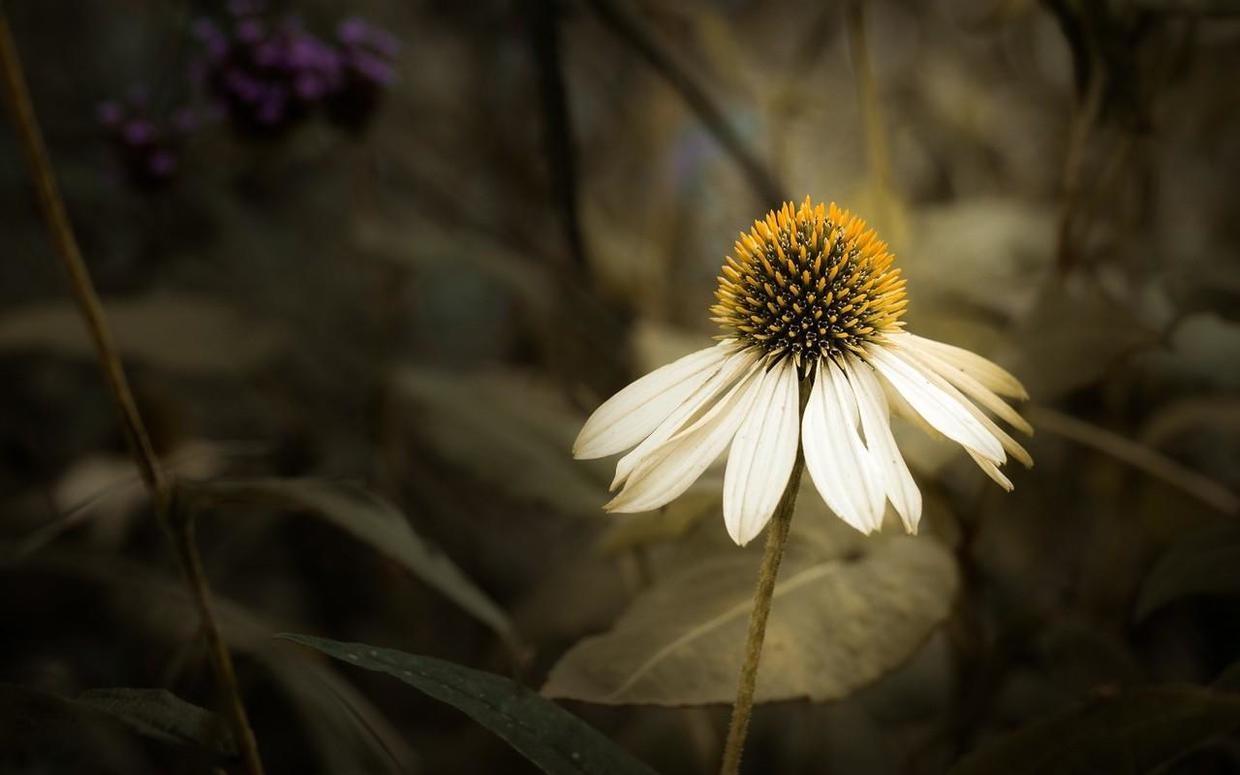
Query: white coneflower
<point x="810" y="294"/>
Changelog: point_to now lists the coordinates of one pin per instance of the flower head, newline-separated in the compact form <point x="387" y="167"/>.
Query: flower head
<point x="809" y="283"/>
<point x="814" y="348"/>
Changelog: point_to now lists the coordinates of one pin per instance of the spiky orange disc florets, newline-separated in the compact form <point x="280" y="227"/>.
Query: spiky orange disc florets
<point x="809" y="282"/>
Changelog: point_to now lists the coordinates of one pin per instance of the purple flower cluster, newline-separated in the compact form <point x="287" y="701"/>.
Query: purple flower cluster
<point x="263" y="74"/>
<point x="366" y="53"/>
<point x="271" y="74"/>
<point x="148" y="147"/>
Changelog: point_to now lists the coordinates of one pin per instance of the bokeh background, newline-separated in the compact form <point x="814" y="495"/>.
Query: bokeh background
<point x="371" y="263"/>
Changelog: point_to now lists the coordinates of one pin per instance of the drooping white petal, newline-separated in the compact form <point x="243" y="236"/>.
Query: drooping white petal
<point x="1010" y="445"/>
<point x="762" y="454"/>
<point x="985" y="371"/>
<point x="672" y="467"/>
<point x="630" y="415"/>
<point x="991" y="470"/>
<point x="966" y="383"/>
<point x="734" y="365"/>
<point x="940" y="409"/>
<point x="876" y="422"/>
<point x="837" y="461"/>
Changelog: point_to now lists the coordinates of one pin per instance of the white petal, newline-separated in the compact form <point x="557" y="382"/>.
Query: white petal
<point x="967" y="384"/>
<point x="1010" y="445"/>
<point x="733" y="366"/>
<point x="762" y="454"/>
<point x="836" y="459"/>
<point x="876" y="422"/>
<point x="670" y="469"/>
<point x="987" y="372"/>
<point x="991" y="470"/>
<point x="630" y="415"/>
<point x="939" y="408"/>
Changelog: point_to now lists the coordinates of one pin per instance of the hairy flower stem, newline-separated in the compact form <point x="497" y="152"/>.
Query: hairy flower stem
<point x="160" y="487"/>
<point x="776" y="539"/>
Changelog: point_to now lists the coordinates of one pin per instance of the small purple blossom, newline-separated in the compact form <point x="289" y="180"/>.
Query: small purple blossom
<point x="366" y="56"/>
<point x="250" y="31"/>
<point x="147" y="147"/>
<point x="110" y="113"/>
<point x="138" y="131"/>
<point x="358" y="33"/>
<point x="162" y="163"/>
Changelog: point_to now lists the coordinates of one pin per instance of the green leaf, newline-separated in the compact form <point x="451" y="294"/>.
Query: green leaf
<point x="375" y="522"/>
<point x="546" y="734"/>
<point x="160" y="714"/>
<point x="1133" y="731"/>
<point x="847" y="610"/>
<point x="1204" y="562"/>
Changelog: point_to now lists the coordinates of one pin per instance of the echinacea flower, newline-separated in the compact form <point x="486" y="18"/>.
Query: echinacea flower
<point x="809" y="298"/>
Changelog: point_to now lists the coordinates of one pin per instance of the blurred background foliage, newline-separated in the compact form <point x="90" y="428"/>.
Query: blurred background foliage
<point x="371" y="263"/>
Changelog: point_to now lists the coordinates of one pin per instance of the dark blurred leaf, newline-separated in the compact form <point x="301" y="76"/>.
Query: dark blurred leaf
<point x="1204" y="562"/>
<point x="1071" y="340"/>
<point x="1229" y="679"/>
<point x="1204" y="348"/>
<point x="108" y="488"/>
<point x="512" y="432"/>
<point x="390" y="241"/>
<point x="160" y="714"/>
<point x="997" y="250"/>
<point x="546" y="734"/>
<point x="847" y="610"/>
<point x="1191" y="7"/>
<point x="626" y="532"/>
<point x="1135" y="731"/>
<point x="178" y="333"/>
<point x="45" y="733"/>
<point x="347" y="732"/>
<point x="375" y="522"/>
<point x="95" y="732"/>
<point x="1079" y="656"/>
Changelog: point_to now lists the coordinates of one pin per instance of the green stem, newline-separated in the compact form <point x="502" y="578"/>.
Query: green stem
<point x="776" y="539"/>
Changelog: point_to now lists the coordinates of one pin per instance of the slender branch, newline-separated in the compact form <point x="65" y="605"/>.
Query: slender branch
<point x="867" y="93"/>
<point x="629" y="29"/>
<point x="1197" y="485"/>
<point x="158" y="485"/>
<point x="1083" y="123"/>
<point x="18" y="98"/>
<point x="543" y="20"/>
<point x="776" y="539"/>
<point x="182" y="532"/>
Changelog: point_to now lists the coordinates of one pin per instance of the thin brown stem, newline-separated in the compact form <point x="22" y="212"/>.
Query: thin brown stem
<point x="158" y="485"/>
<point x="182" y="532"/>
<point x="625" y="24"/>
<point x="543" y="19"/>
<point x="1084" y="118"/>
<point x="18" y="98"/>
<point x="772" y="555"/>
<point x="867" y="94"/>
